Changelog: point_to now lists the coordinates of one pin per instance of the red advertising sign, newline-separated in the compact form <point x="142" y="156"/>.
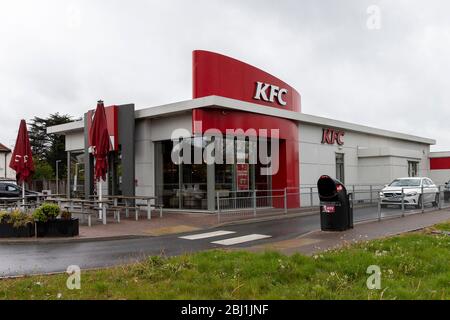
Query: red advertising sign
<point x="442" y="163"/>
<point x="243" y="182"/>
<point x="219" y="75"/>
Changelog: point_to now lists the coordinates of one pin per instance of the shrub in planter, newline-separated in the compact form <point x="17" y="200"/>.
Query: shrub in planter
<point x="47" y="211"/>
<point x="16" y="224"/>
<point x="49" y="226"/>
<point x="20" y="219"/>
<point x="4" y="217"/>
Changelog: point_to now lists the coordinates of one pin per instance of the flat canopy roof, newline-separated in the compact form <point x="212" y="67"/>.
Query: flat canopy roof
<point x="227" y="103"/>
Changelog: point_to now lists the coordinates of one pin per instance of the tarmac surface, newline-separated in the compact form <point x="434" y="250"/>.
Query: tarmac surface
<point x="288" y="234"/>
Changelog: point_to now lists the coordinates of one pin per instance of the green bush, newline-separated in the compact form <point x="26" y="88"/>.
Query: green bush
<point x="4" y="217"/>
<point x="19" y="219"/>
<point x="47" y="211"/>
<point x="39" y="215"/>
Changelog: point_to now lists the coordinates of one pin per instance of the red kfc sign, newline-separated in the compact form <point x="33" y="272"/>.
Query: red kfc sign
<point x="332" y="136"/>
<point x="218" y="75"/>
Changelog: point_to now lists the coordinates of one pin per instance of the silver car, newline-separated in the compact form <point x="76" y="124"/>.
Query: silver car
<point x="413" y="191"/>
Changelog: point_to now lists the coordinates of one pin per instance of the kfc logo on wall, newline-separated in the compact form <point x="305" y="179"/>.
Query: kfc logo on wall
<point x="268" y="92"/>
<point x="332" y="136"/>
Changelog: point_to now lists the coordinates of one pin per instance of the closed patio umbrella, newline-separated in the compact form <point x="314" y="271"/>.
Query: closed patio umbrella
<point x="22" y="158"/>
<point x="100" y="143"/>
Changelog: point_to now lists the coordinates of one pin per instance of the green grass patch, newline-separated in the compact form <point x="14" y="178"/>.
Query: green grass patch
<point x="413" y="266"/>
<point x="443" y="226"/>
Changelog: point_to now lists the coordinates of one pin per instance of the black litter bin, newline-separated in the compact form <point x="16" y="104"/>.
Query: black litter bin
<point x="336" y="210"/>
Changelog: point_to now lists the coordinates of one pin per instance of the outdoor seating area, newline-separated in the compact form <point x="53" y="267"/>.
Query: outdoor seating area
<point x="87" y="208"/>
<point x="57" y="215"/>
<point x="42" y="214"/>
<point x="38" y="218"/>
<point x="117" y="205"/>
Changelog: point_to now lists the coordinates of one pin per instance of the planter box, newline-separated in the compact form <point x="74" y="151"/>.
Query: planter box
<point x="7" y="230"/>
<point x="58" y="228"/>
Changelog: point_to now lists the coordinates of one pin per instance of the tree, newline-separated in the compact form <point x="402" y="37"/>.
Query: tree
<point x="47" y="148"/>
<point x="43" y="171"/>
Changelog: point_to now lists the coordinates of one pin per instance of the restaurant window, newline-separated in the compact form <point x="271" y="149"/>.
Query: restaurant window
<point x="340" y="172"/>
<point x="413" y="168"/>
<point x="180" y="186"/>
<point x="185" y="186"/>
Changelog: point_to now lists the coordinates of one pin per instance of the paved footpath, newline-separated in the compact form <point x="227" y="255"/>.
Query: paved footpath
<point x="317" y="241"/>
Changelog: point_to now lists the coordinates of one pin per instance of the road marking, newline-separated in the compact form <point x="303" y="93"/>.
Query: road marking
<point x="207" y="235"/>
<point x="237" y="240"/>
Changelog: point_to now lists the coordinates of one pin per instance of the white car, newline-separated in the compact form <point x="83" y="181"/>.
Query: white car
<point x="412" y="192"/>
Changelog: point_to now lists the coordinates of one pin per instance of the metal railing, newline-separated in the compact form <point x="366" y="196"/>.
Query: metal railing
<point x="367" y="202"/>
<point x="250" y="203"/>
<point x="428" y="199"/>
<point x="363" y="194"/>
<point x="27" y="203"/>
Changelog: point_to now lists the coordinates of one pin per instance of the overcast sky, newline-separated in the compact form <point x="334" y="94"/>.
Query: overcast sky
<point x="62" y="56"/>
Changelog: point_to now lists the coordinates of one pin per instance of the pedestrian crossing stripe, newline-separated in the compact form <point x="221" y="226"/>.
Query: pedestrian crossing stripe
<point x="207" y="235"/>
<point x="242" y="239"/>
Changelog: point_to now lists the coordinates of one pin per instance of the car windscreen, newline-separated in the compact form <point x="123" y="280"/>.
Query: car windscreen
<point x="405" y="183"/>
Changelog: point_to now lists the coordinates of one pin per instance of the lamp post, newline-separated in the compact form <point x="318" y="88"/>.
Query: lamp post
<point x="75" y="178"/>
<point x="57" y="176"/>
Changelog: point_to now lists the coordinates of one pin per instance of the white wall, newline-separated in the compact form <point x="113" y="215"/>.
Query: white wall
<point x="440" y="177"/>
<point x="388" y="160"/>
<point x="5" y="170"/>
<point x="75" y="141"/>
<point x="148" y="131"/>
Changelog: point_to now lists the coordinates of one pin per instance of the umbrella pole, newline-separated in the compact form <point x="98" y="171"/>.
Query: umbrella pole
<point x="100" y="196"/>
<point x="23" y="194"/>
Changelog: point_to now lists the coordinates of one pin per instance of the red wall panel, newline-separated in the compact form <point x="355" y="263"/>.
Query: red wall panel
<point x="215" y="74"/>
<point x="440" y="163"/>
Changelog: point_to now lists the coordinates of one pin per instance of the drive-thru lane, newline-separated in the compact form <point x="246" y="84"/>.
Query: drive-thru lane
<point x="21" y="259"/>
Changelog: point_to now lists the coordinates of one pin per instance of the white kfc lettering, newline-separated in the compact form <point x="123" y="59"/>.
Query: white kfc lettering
<point x="275" y="92"/>
<point x="261" y="91"/>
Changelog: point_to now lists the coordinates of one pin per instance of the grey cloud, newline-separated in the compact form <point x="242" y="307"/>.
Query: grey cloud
<point x="64" y="55"/>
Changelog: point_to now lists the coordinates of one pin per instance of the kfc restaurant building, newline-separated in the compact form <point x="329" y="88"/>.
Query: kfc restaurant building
<point x="230" y="94"/>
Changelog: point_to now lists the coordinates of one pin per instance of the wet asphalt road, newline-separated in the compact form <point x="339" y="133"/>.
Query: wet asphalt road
<point x="25" y="259"/>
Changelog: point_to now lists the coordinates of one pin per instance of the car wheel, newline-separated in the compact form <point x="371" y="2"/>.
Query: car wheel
<point x="419" y="202"/>
<point x="436" y="200"/>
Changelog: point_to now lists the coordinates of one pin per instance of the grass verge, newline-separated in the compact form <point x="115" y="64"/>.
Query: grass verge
<point x="413" y="266"/>
<point x="443" y="226"/>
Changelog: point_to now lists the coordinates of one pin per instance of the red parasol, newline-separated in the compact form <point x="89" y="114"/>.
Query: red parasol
<point x="22" y="158"/>
<point x="100" y="142"/>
